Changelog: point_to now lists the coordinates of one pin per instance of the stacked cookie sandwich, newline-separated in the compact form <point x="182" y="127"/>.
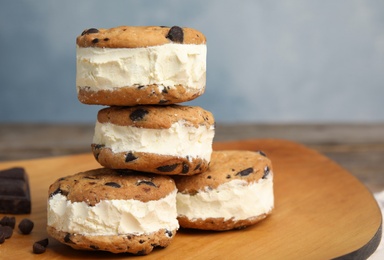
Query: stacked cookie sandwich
<point x="141" y="138"/>
<point x="159" y="168"/>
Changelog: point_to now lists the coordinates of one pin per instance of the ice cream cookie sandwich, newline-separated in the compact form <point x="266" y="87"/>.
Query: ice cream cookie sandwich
<point x="115" y="211"/>
<point x="140" y="65"/>
<point x="166" y="140"/>
<point x="235" y="192"/>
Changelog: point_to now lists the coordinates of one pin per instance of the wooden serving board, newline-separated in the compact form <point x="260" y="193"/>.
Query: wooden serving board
<point x="321" y="212"/>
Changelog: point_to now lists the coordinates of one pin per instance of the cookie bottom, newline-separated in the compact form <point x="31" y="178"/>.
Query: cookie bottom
<point x="219" y="224"/>
<point x="149" y="162"/>
<point x="138" y="95"/>
<point x="128" y="243"/>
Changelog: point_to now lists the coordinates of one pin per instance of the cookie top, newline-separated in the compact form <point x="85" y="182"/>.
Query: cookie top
<point x="106" y="184"/>
<point x="138" y="36"/>
<point x="225" y="166"/>
<point x="155" y="117"/>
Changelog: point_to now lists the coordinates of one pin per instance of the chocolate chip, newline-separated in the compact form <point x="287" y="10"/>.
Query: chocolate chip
<point x="26" y="226"/>
<point x="43" y="242"/>
<point x="99" y="146"/>
<point x="94" y="247"/>
<point x="164" y="91"/>
<point x="163" y="26"/>
<point x="141" y="241"/>
<point x="245" y="172"/>
<point x="168" y="233"/>
<point x="106" y="39"/>
<point x="8" y="221"/>
<point x="2" y="237"/>
<point x="176" y="34"/>
<point x="38" y="249"/>
<point x="140" y="87"/>
<point x="209" y="177"/>
<point x="113" y="184"/>
<point x="163" y="101"/>
<point x="261" y="153"/>
<point x="197" y="166"/>
<point x="228" y="176"/>
<point x="7" y="231"/>
<point x="141" y="252"/>
<point x="185" y="168"/>
<point x="130" y="157"/>
<point x="146" y="182"/>
<point x="138" y="114"/>
<point x="96" y="40"/>
<point x="167" y="168"/>
<point x="89" y="31"/>
<point x="90" y="177"/>
<point x="59" y="191"/>
<point x="67" y="238"/>
<point x="266" y="172"/>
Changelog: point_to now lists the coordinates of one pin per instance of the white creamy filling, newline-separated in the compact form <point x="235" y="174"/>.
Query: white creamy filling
<point x="112" y="217"/>
<point x="178" y="140"/>
<point x="167" y="65"/>
<point x="235" y="200"/>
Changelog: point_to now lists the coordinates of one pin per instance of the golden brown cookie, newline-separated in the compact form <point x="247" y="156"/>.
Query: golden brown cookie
<point x="113" y="210"/>
<point x="138" y="36"/>
<point x="236" y="191"/>
<point x="166" y="140"/>
<point x="143" y="65"/>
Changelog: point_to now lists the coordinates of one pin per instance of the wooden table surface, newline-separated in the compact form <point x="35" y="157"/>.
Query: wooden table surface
<point x="359" y="148"/>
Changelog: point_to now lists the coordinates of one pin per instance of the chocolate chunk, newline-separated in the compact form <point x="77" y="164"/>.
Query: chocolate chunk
<point x="8" y="221"/>
<point x="43" y="242"/>
<point x="7" y="231"/>
<point x="2" y="237"/>
<point x="96" y="40"/>
<point x="94" y="247"/>
<point x="67" y="238"/>
<point x="38" y="249"/>
<point x="146" y="182"/>
<point x="138" y="114"/>
<point x="15" y="195"/>
<point x="167" y="168"/>
<point x="176" y="34"/>
<point x="197" y="167"/>
<point x="59" y="191"/>
<point x="141" y="252"/>
<point x="185" y="168"/>
<point x="168" y="233"/>
<point x="26" y="226"/>
<point x="163" y="101"/>
<point x="130" y="157"/>
<point x="89" y="31"/>
<point x="112" y="184"/>
<point x="266" y="172"/>
<point x="261" y="153"/>
<point x="245" y="172"/>
<point x="99" y="146"/>
<point x="164" y="90"/>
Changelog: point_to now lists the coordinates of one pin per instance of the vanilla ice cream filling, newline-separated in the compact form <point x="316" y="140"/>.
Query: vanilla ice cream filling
<point x="112" y="217"/>
<point x="236" y="200"/>
<point x="178" y="140"/>
<point x="167" y="65"/>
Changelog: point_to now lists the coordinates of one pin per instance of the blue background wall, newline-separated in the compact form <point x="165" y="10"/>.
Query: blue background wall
<point x="268" y="61"/>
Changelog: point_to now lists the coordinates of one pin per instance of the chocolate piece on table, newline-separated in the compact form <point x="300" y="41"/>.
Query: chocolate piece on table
<point x="15" y="195"/>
